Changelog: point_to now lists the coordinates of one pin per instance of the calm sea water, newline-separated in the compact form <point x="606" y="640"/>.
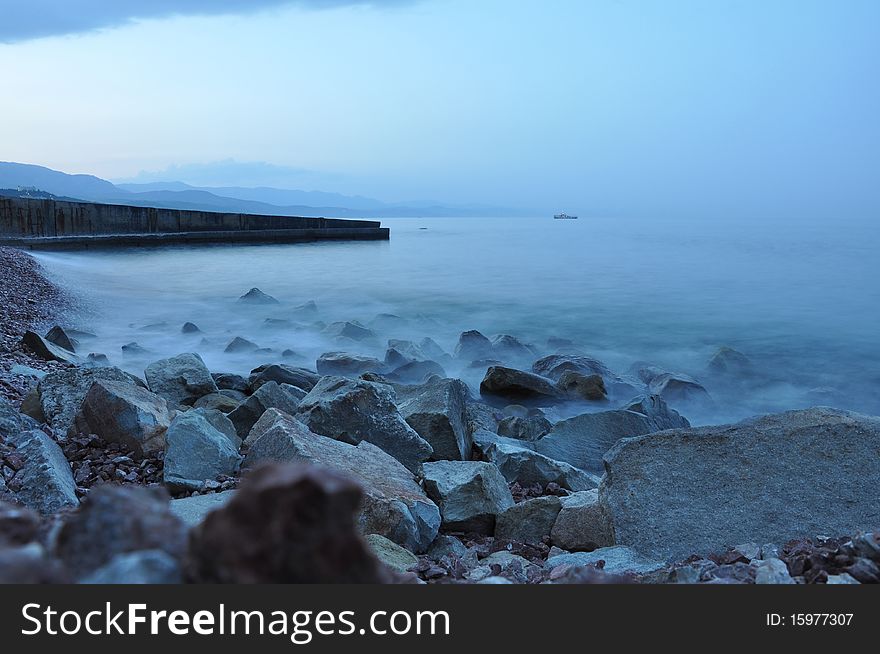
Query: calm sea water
<point x="803" y="302"/>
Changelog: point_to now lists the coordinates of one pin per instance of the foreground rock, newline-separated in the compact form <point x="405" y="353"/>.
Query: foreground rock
<point x="201" y="445"/>
<point x="437" y="410"/>
<point x="268" y="396"/>
<point x="529" y="521"/>
<point x="394" y="505"/>
<point x="181" y="380"/>
<point x="744" y="483"/>
<point x="122" y="413"/>
<point x="45" y="482"/>
<point x="518" y="385"/>
<point x="582" y="524"/>
<point x="470" y="494"/>
<point x="193" y="509"/>
<point x="356" y="410"/>
<point x="268" y="532"/>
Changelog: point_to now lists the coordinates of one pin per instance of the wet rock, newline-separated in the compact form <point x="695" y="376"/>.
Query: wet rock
<point x="123" y="413"/>
<point x="351" y="329"/>
<point x="518" y="385"/>
<point x="518" y="463"/>
<point x="283" y="374"/>
<point x="555" y="365"/>
<point x="268" y="396"/>
<point x="117" y="520"/>
<point x="349" y="365"/>
<point x="61" y="393"/>
<point x="356" y="410"/>
<point x="287" y="524"/>
<point x="57" y="336"/>
<point x="190" y="328"/>
<point x="727" y="361"/>
<point x="678" y="387"/>
<point x="181" y="380"/>
<point x="583" y="387"/>
<point x="431" y="350"/>
<point x="417" y="372"/>
<point x="400" y="352"/>
<point x="239" y="344"/>
<point x="218" y="402"/>
<point x="394" y="505"/>
<point x="45" y="481"/>
<point x="525" y="428"/>
<point x="615" y="560"/>
<point x="482" y="417"/>
<point x="389" y="322"/>
<point x="18" y="524"/>
<point x="230" y="382"/>
<point x="472" y="345"/>
<point x="507" y="347"/>
<point x="470" y="494"/>
<point x="256" y="296"/>
<point x="45" y="350"/>
<point x="133" y="350"/>
<point x="390" y="553"/>
<point x="192" y="510"/>
<point x="97" y="359"/>
<point x="582" y="524"/>
<point x="659" y="414"/>
<point x="437" y="412"/>
<point x="200" y="447"/>
<point x="717" y="469"/>
<point x="529" y="521"/>
<point x="143" y="567"/>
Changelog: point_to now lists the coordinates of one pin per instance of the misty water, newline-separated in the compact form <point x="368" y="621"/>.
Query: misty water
<point x="801" y="301"/>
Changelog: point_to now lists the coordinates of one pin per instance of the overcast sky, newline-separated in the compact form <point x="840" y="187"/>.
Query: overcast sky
<point x="606" y="107"/>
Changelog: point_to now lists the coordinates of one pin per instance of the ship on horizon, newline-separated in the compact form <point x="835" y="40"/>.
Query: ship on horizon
<point x="564" y="216"/>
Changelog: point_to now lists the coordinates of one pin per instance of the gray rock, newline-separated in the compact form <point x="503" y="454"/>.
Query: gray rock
<point x="256" y="296"/>
<point x="181" y="380"/>
<point x="842" y="578"/>
<point x="518" y="385"/>
<point x="356" y="410"/>
<point x="143" y="567"/>
<point x="190" y="328"/>
<point x="555" y="365"/>
<point x="659" y="414"/>
<point x="47" y="351"/>
<point x="217" y="401"/>
<point x="192" y="510"/>
<point x="470" y="494"/>
<point x="30" y="564"/>
<point x="431" y="350"/>
<point x="27" y="371"/>
<point x="473" y="345"/>
<point x="61" y="393"/>
<point x="678" y="387"/>
<point x="395" y="506"/>
<point x="529" y="521"/>
<point x="295" y="392"/>
<point x="447" y="546"/>
<point x="282" y="374"/>
<point x="582" y="387"/>
<point x="582" y="524"/>
<point x="617" y="560"/>
<point x="437" y="411"/>
<point x="583" y="440"/>
<point x="482" y="417"/>
<point x="45" y="481"/>
<point x="269" y="396"/>
<point x="124" y="413"/>
<point x="230" y="382"/>
<point x="417" y="372"/>
<point x="772" y="571"/>
<point x="727" y="361"/>
<point x="11" y="421"/>
<point x="349" y="365"/>
<point x="519" y="463"/>
<point x="524" y="428"/>
<point x="239" y="344"/>
<point x="133" y="350"/>
<point x="507" y="347"/>
<point x="390" y="553"/>
<point x="199" y="448"/>
<point x="57" y="336"/>
<point x="351" y="329"/>
<point x="696" y="491"/>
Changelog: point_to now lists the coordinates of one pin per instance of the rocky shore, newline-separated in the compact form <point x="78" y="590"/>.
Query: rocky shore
<point x="361" y="469"/>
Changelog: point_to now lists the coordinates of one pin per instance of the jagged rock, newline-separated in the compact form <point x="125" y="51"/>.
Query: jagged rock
<point x="116" y="520"/>
<point x="772" y="571"/>
<point x="239" y="344"/>
<point x="57" y="336"/>
<point x="506" y="347"/>
<point x="282" y="374"/>
<point x="11" y="421"/>
<point x="124" y="413"/>
<point x="447" y="546"/>
<point x="268" y="396"/>
<point x="400" y="352"/>
<point x="390" y="553"/>
<point x="192" y="510"/>
<point x="217" y="401"/>
<point x="62" y="392"/>
<point x="144" y="567"/>
<point x="580" y="386"/>
<point x="349" y="365"/>
<point x="32" y="408"/>
<point x="555" y="365"/>
<point x="45" y="482"/>
<point x="437" y="411"/>
<point x="190" y="328"/>
<point x="482" y="417"/>
<point x="394" y="505"/>
<point x="614" y="560"/>
<point x="18" y="524"/>
<point x="529" y="521"/>
<point x="525" y="428"/>
<point x="727" y="361"/>
<point x="97" y="359"/>
<point x="47" y="351"/>
<point x="200" y="446"/>
<point x="473" y="345"/>
<point x="256" y="296"/>
<point x="351" y="329"/>
<point x="659" y="414"/>
<point x="678" y="387"/>
<point x="417" y="372"/>
<point x="432" y="351"/>
<point x="584" y="439"/>
<point x="518" y="385"/>
<point x="582" y="524"/>
<point x="181" y="380"/>
<point x="356" y="410"/>
<point x="287" y="524"/>
<point x="470" y="494"/>
<point x="518" y="463"/>
<point x="230" y="382"/>
<point x="693" y="491"/>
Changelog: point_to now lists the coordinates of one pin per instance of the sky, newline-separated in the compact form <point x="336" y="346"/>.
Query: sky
<point x="705" y="108"/>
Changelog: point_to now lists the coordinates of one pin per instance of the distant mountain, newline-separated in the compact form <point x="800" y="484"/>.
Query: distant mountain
<point x="261" y="200"/>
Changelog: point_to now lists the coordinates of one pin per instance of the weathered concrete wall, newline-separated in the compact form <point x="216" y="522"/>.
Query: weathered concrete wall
<point x="22" y="217"/>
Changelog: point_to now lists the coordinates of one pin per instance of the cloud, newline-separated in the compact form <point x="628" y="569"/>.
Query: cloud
<point x="31" y="19"/>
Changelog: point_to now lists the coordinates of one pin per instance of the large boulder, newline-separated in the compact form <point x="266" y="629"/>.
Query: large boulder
<point x="61" y="393"/>
<point x="287" y="524"/>
<point x="555" y="365"/>
<point x="437" y="410"/>
<point x="582" y="387"/>
<point x="529" y="521"/>
<point x="528" y="427"/>
<point x="282" y="374"/>
<point x="201" y="445"/>
<point x="768" y="480"/>
<point x="678" y="387"/>
<point x="416" y="372"/>
<point x="45" y="482"/>
<point x="394" y="505"/>
<point x="470" y="494"/>
<point x="268" y="396"/>
<point x="123" y="413"/>
<point x="46" y="350"/>
<point x="659" y="414"/>
<point x="349" y="365"/>
<point x="472" y="345"/>
<point x="57" y="336"/>
<point x="582" y="524"/>
<point x="356" y="410"/>
<point x="350" y="330"/>
<point x="181" y="380"/>
<point x="518" y="385"/>
<point x="510" y="348"/>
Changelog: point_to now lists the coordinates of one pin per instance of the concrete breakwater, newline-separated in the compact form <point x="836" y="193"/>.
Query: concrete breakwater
<point x="62" y="224"/>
